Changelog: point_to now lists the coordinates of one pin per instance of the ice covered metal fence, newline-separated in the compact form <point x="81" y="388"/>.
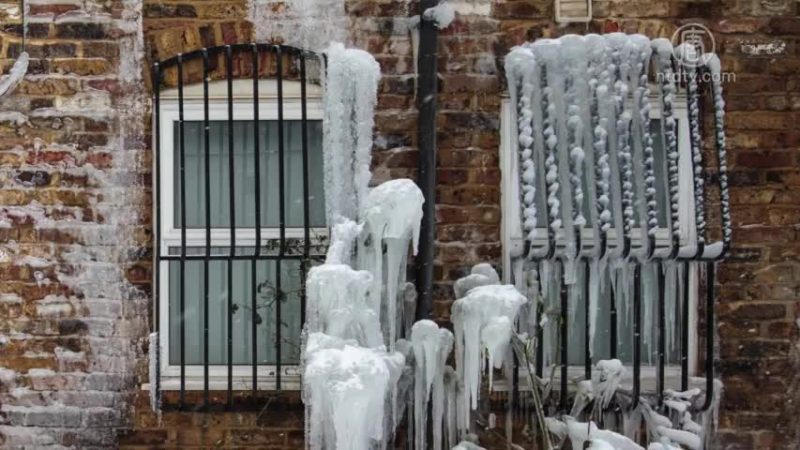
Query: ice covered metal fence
<point x="585" y="156"/>
<point x="222" y="226"/>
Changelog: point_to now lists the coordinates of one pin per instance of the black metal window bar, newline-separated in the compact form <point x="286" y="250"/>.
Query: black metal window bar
<point x="225" y="62"/>
<point x="535" y="254"/>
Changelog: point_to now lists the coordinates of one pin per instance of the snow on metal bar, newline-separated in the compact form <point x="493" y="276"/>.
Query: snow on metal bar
<point x="595" y="139"/>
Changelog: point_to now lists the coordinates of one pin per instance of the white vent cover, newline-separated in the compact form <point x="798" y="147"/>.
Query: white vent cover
<point x="573" y="11"/>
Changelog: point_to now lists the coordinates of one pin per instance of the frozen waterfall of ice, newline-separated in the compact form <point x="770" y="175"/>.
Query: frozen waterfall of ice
<point x="392" y="213"/>
<point x="351" y="84"/>
<point x="483" y="321"/>
<point x="346" y="386"/>
<point x="432" y="345"/>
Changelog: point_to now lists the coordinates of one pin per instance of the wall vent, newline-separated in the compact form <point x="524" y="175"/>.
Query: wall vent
<point x="573" y="11"/>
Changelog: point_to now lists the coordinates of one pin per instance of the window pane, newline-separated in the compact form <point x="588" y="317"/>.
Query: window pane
<point x="244" y="170"/>
<point x="242" y="315"/>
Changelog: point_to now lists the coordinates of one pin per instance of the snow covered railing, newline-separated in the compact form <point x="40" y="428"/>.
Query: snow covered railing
<point x="586" y="153"/>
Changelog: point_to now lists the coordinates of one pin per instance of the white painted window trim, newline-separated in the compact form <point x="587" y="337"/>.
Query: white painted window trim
<point x="170" y="235"/>
<point x="511" y="233"/>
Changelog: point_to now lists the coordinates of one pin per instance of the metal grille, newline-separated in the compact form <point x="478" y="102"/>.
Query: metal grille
<point x="229" y="62"/>
<point x="703" y="257"/>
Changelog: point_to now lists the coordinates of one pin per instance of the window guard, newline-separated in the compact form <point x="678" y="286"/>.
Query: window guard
<point x="696" y="252"/>
<point x="303" y="244"/>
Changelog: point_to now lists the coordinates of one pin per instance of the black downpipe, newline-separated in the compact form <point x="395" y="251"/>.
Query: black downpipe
<point x="426" y="140"/>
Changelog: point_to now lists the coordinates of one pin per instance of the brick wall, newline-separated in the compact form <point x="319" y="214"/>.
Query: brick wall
<point x="78" y="163"/>
<point x="74" y="208"/>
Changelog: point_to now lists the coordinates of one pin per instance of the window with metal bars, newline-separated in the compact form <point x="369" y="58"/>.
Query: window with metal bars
<point x="513" y="240"/>
<point x="240" y="215"/>
<point x="651" y="262"/>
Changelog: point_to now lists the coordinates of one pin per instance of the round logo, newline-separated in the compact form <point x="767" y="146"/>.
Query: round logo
<point x="692" y="44"/>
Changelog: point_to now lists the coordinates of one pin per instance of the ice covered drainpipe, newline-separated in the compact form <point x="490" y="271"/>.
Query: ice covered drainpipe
<point x="426" y="142"/>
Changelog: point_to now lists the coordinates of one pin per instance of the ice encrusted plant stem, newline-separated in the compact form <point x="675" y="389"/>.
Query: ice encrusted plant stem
<point x="525" y="349"/>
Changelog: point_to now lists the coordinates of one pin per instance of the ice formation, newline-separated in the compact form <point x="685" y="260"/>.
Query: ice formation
<point x="18" y="70"/>
<point x="392" y="213"/>
<point x="351" y="83"/>
<point x="586" y="152"/>
<point x="442" y="14"/>
<point x="483" y="321"/>
<point x="349" y="377"/>
<point x="432" y="346"/>
<point x="347" y="386"/>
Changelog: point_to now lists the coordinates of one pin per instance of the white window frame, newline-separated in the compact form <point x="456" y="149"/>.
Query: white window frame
<point x="170" y="235"/>
<point x="511" y="233"/>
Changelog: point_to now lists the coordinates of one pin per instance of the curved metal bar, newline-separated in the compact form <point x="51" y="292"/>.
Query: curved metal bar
<point x="549" y="185"/>
<point x="234" y="48"/>
<point x="669" y="143"/>
<point x="697" y="157"/>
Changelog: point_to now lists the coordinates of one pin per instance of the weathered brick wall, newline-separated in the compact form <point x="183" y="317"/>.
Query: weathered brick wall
<point x="72" y="169"/>
<point x="74" y="209"/>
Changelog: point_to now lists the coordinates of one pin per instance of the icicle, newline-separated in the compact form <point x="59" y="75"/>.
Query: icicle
<point x="466" y="445"/>
<point x="482" y="322"/>
<point x="153" y="352"/>
<point x="343" y="235"/>
<point x="338" y="304"/>
<point x="451" y="393"/>
<point x="606" y="380"/>
<point x="685" y="438"/>
<point x="580" y="432"/>
<point x="431" y="346"/>
<point x="584" y="395"/>
<point x="392" y="213"/>
<point x="595" y="276"/>
<point x="482" y="274"/>
<point x="15" y="75"/>
<point x="351" y="86"/>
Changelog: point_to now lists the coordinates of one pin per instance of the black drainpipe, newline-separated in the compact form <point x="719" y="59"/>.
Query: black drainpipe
<point x="426" y="142"/>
